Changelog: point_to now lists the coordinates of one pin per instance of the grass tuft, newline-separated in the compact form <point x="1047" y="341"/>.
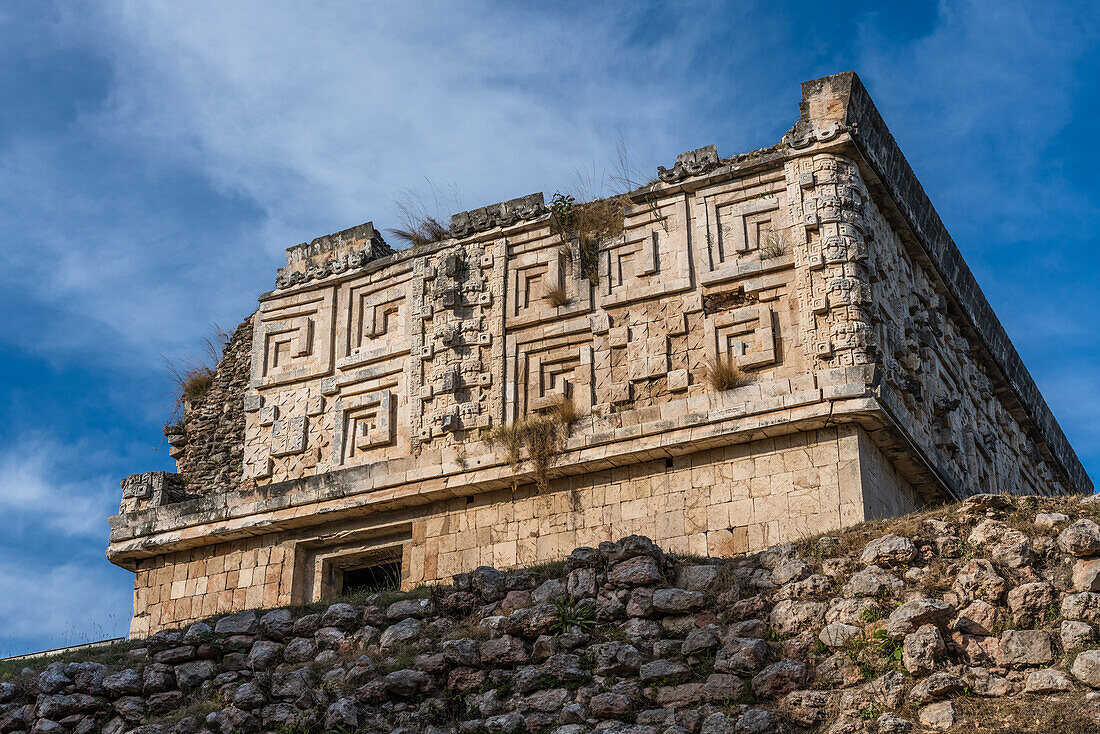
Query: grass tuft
<point x="195" y="377"/>
<point x="722" y="373"/>
<point x="556" y="297"/>
<point x="773" y="244"/>
<point x="425" y="231"/>
<point x="541" y="436"/>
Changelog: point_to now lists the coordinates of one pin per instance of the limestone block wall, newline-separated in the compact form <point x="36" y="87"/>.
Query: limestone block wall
<point x="886" y="492"/>
<point x="717" y="502"/>
<point x="175" y="588"/>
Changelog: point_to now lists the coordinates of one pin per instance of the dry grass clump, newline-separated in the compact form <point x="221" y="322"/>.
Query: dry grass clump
<point x="565" y="412"/>
<point x="556" y="297"/>
<point x="196" y="382"/>
<point x="195" y="377"/>
<point x="722" y="373"/>
<point x="418" y="232"/>
<point x="1068" y="712"/>
<point x="541" y="436"/>
<point x="590" y="223"/>
<point x="417" y="225"/>
<point x="773" y="244"/>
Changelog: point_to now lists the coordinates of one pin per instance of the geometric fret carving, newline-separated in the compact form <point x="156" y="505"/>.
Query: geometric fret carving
<point x="363" y="422"/>
<point x="532" y="275"/>
<point x="746" y="334"/>
<point x="647" y="261"/>
<point x="740" y="238"/>
<point x="293" y="338"/>
<point x="555" y="377"/>
<point x="371" y="323"/>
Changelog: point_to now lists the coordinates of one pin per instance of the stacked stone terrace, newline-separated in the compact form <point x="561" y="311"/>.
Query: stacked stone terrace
<point x="877" y="380"/>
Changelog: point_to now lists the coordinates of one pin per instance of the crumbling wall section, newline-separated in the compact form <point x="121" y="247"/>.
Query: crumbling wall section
<point x="208" y="442"/>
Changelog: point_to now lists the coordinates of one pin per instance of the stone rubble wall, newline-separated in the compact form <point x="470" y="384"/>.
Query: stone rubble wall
<point x="210" y="456"/>
<point x="980" y="616"/>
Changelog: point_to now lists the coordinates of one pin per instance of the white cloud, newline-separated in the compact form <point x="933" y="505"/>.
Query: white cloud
<point x="316" y="116"/>
<point x="45" y="606"/>
<point x="324" y="113"/>
<point x="37" y="495"/>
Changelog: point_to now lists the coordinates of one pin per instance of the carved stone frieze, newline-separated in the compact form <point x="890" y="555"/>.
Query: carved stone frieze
<point x="332" y="254"/>
<point x="504" y="214"/>
<point x="691" y="163"/>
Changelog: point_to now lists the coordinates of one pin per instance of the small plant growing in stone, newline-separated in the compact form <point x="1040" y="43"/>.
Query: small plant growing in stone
<point x="773" y="244"/>
<point x="888" y="649"/>
<point x="416" y="226"/>
<point x="565" y="412"/>
<point x="722" y="373"/>
<point x="589" y="223"/>
<point x="542" y="436"/>
<point x="573" y="613"/>
<point x="423" y="232"/>
<point x="195" y="377"/>
<point x="871" y="614"/>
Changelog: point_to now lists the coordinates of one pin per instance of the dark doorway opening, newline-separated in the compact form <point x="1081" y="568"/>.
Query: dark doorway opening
<point x="379" y="577"/>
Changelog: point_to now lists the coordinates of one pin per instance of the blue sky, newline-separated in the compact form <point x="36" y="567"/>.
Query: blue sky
<point x="156" y="159"/>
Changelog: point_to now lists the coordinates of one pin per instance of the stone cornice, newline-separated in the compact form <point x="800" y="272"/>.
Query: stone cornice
<point x="700" y="423"/>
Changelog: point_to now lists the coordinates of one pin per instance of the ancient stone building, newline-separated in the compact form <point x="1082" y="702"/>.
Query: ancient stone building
<point x="747" y="351"/>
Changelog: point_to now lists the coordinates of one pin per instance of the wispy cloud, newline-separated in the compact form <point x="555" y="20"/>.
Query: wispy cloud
<point x="38" y="493"/>
<point x="56" y="605"/>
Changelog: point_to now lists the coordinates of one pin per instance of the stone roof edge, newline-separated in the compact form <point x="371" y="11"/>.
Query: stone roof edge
<point x="841" y="103"/>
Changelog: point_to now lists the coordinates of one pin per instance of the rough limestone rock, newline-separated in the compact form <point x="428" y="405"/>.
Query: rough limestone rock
<point x="1081" y="539"/>
<point x="921" y="650"/>
<point x="916" y="613"/>
<point x="889" y="550"/>
<point x="1082" y="607"/>
<point x="938" y="716"/>
<point x="978" y="618"/>
<point x="1086" y="574"/>
<point x="1047" y="681"/>
<point x="1050" y="519"/>
<point x="403" y="633"/>
<point x="637" y="571"/>
<point x="838" y="634"/>
<point x="978" y="579"/>
<point x="779" y="678"/>
<point x="935" y="686"/>
<point x="242" y="623"/>
<point x="519" y="652"/>
<point x="1029" y="602"/>
<point x="1075" y="635"/>
<point x="1021" y="648"/>
<point x="1086" y="668"/>
<point x="872" y="581"/>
